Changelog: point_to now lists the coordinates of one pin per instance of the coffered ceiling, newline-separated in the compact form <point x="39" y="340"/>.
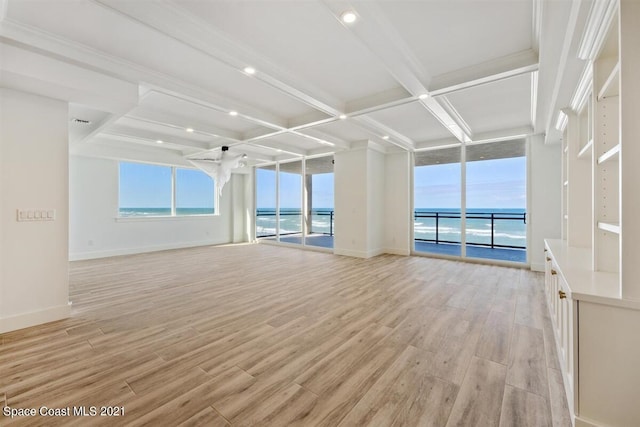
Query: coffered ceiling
<point x="283" y="79"/>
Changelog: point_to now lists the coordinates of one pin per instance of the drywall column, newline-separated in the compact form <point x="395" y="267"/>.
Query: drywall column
<point x="238" y="209"/>
<point x="34" y="155"/>
<point x="359" y="201"/>
<point x="544" y="207"/>
<point x="397" y="218"/>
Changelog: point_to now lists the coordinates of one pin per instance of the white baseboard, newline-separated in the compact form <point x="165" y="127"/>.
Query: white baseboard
<point x="581" y="422"/>
<point x="34" y="318"/>
<point x="397" y="251"/>
<point x="537" y="267"/>
<point x="78" y="256"/>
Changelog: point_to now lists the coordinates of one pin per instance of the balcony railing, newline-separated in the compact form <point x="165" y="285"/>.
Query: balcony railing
<point x="266" y="225"/>
<point x="263" y="217"/>
<point x="494" y="217"/>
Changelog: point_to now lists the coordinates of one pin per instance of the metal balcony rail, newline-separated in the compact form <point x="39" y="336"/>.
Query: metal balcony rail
<point x="492" y="216"/>
<point x="271" y="213"/>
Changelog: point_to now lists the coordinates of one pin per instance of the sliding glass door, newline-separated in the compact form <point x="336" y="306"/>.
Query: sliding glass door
<point x="437" y="202"/>
<point x="471" y="201"/>
<point x="496" y="197"/>
<point x="294" y="202"/>
<point x="319" y="198"/>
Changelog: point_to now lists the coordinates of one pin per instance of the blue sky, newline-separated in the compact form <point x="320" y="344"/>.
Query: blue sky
<point x="499" y="183"/>
<point x="149" y="186"/>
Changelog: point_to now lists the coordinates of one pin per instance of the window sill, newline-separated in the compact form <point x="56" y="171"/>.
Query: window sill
<point x="164" y="218"/>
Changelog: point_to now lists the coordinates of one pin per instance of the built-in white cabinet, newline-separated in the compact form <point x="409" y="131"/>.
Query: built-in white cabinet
<point x="592" y="278"/>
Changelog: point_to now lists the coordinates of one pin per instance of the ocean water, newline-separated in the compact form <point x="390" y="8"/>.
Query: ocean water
<point x="507" y="232"/>
<point x="291" y="221"/>
<point x="128" y="212"/>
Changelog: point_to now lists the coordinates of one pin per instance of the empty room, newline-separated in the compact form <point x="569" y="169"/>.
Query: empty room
<point x="319" y="213"/>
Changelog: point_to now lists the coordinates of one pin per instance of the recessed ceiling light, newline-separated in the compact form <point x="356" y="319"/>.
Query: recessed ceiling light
<point x="190" y="130"/>
<point x="342" y="116"/>
<point x="349" y="17"/>
<point x="249" y="70"/>
<point x="233" y="113"/>
<point x="159" y="141"/>
<point x="385" y="137"/>
<point x="424" y="96"/>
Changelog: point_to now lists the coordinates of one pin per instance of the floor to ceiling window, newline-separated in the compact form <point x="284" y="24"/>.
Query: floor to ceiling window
<point x="266" y="201"/>
<point x="290" y="202"/>
<point x="294" y="202"/>
<point x="319" y="197"/>
<point x="496" y="199"/>
<point x="436" y="200"/>
<point x="490" y="179"/>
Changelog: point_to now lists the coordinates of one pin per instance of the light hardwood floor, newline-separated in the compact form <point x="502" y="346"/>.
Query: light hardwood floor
<point x="264" y="335"/>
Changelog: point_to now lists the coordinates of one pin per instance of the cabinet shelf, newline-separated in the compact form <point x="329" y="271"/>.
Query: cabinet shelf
<point x="609" y="155"/>
<point x="610" y="87"/>
<point x="612" y="227"/>
<point x="586" y="150"/>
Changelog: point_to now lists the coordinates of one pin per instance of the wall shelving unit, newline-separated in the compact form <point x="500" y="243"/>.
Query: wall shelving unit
<point x="592" y="280"/>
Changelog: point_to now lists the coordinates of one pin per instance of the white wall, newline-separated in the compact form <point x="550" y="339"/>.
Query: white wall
<point x="34" y="281"/>
<point x="397" y="203"/>
<point x="544" y="210"/>
<point x="95" y="232"/>
<point x="375" y="202"/>
<point x="350" y="182"/>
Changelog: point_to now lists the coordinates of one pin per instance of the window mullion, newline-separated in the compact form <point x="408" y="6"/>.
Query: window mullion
<point x="173" y="191"/>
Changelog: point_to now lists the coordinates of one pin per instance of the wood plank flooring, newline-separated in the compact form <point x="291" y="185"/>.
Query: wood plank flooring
<point x="258" y="335"/>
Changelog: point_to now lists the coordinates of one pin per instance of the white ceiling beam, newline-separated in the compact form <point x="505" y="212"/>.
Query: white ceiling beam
<point x="313" y="118"/>
<point x="129" y="71"/>
<point x="280" y="148"/>
<point x="448" y="117"/>
<point x="502" y="68"/>
<point x="536" y="25"/>
<point x="160" y="118"/>
<point x="324" y="141"/>
<point x="259" y="134"/>
<point x="569" y="40"/>
<point x="378" y="101"/>
<point x="503" y="134"/>
<point x="316" y="134"/>
<point x="100" y="127"/>
<point x="377" y="130"/>
<point x="437" y="143"/>
<point x="382" y="39"/>
<point x="4" y="5"/>
<point x="148" y="137"/>
<point x="174" y="21"/>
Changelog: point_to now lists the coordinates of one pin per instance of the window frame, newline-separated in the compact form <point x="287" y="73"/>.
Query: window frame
<point x="174" y="214"/>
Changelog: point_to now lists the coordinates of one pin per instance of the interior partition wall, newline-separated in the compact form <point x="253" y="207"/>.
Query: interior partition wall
<point x="294" y="202"/>
<point x="470" y="201"/>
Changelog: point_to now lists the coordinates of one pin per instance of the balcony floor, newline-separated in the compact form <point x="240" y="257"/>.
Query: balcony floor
<point x="501" y="254"/>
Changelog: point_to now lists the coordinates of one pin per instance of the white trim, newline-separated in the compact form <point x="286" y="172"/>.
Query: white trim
<point x="397" y="251"/>
<point x="151" y="218"/>
<point x="598" y="23"/>
<point x="359" y="254"/>
<point x="34" y="318"/>
<point x="79" y="256"/>
<point x="584" y="88"/>
<point x="537" y="267"/>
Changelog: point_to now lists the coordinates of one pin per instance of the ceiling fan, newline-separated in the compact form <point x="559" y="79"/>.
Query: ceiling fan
<point x="220" y="168"/>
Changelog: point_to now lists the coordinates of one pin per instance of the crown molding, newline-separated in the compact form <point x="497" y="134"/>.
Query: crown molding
<point x="505" y="67"/>
<point x="598" y="23"/>
<point x="584" y="88"/>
